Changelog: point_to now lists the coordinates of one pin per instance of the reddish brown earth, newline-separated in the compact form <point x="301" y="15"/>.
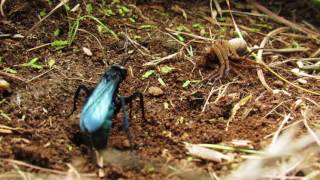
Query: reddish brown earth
<point x="49" y="139"/>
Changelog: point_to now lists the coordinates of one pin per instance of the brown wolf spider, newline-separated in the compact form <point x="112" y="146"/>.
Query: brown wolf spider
<point x="225" y="54"/>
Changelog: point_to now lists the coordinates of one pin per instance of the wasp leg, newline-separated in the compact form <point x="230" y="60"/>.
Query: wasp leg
<point x="76" y="96"/>
<point x="135" y="95"/>
<point x="126" y="121"/>
<point x="97" y="158"/>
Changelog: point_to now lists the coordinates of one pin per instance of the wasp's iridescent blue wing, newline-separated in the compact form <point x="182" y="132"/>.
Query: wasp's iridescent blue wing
<point x="100" y="106"/>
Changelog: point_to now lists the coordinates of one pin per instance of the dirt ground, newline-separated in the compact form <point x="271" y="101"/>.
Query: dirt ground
<point x="45" y="137"/>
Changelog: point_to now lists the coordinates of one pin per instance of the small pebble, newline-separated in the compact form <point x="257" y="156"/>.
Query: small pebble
<point x="126" y="143"/>
<point x="4" y="85"/>
<point x="278" y="83"/>
<point x="302" y="81"/>
<point x="155" y="91"/>
<point x="87" y="51"/>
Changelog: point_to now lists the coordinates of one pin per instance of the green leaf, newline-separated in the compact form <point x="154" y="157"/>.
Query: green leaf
<point x="66" y="7"/>
<point x="9" y="70"/>
<point x="146" y="26"/>
<point x="101" y="29"/>
<point x="59" y="43"/>
<point x="115" y="1"/>
<point x="198" y="26"/>
<point x="33" y="64"/>
<point x="132" y="20"/>
<point x="108" y="12"/>
<point x="316" y="3"/>
<point x="148" y="74"/>
<point x="49" y="2"/>
<point x="125" y="9"/>
<point x="99" y="22"/>
<point x="180" y="37"/>
<point x="36" y="66"/>
<point x="162" y="82"/>
<point x="221" y="19"/>
<point x="295" y="44"/>
<point x="42" y="13"/>
<point x="69" y="147"/>
<point x="183" y="28"/>
<point x="5" y="115"/>
<point x="195" y="81"/>
<point x="56" y="32"/>
<point x="51" y="62"/>
<point x="186" y="84"/>
<point x="135" y="37"/>
<point x="33" y="61"/>
<point x="166" y="69"/>
<point x="89" y="8"/>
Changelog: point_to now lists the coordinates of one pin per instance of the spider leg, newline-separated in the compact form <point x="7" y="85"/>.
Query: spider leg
<point x="88" y="92"/>
<point x="135" y="95"/>
<point x="243" y="65"/>
<point x="126" y="120"/>
<point x="238" y="73"/>
<point x="221" y="61"/>
<point x="212" y="75"/>
<point x="230" y="54"/>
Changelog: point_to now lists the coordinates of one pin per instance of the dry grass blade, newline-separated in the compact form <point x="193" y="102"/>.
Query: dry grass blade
<point x="73" y="174"/>
<point x="277" y="133"/>
<point x="290" y="83"/>
<point x="283" y="20"/>
<point x="222" y="90"/>
<point x="208" y="98"/>
<point x="273" y="64"/>
<point x="241" y="13"/>
<point x="288" y="50"/>
<point x="49" y="14"/>
<point x="315" y="54"/>
<point x="281" y="159"/>
<point x="139" y="12"/>
<point x="10" y="76"/>
<point x="10" y="128"/>
<point x="1" y="7"/>
<point x="234" y="22"/>
<point x="205" y="153"/>
<point x="235" y="109"/>
<point x="5" y="131"/>
<point x="143" y="50"/>
<point x="260" y="61"/>
<point x="216" y="3"/>
<point x="306" y="116"/>
<point x="260" y="51"/>
<point x="97" y="39"/>
<point x="189" y="34"/>
<point x="38" y="47"/>
<point x="20" y="163"/>
<point x="213" y="13"/>
<point x="161" y="60"/>
<point x="40" y="75"/>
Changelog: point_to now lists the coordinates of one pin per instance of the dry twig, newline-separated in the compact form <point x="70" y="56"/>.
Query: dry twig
<point x="49" y="14"/>
<point x="24" y="164"/>
<point x="10" y="76"/>
<point x="306" y="116"/>
<point x="260" y="51"/>
<point x="277" y="133"/>
<point x="283" y="20"/>
<point x="1" y="7"/>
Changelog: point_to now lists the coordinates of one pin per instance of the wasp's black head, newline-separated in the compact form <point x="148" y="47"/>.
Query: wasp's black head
<point x="115" y="68"/>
